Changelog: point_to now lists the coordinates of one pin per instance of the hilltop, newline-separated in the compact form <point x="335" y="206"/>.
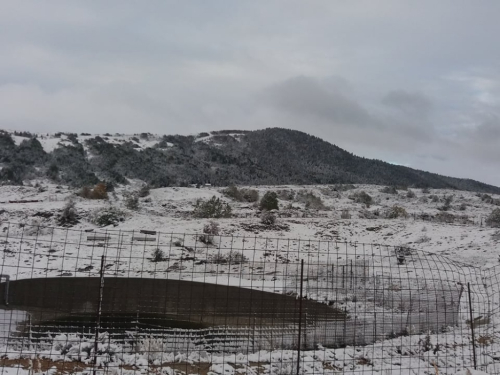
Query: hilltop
<point x="272" y="156"/>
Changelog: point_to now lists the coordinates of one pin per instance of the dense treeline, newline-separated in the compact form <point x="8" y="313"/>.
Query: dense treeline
<point x="270" y="156"/>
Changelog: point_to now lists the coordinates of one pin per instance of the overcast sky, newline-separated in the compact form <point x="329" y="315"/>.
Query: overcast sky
<point x="412" y="83"/>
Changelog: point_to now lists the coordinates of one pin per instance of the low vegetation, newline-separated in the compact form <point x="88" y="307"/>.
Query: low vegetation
<point x="214" y="208"/>
<point x="396" y="212"/>
<point x="210" y="230"/>
<point x="310" y="200"/>
<point x="99" y="191"/>
<point x="269" y="201"/>
<point x="362" y="197"/>
<point x="241" y="195"/>
<point x="268" y="218"/>
<point x="68" y="215"/>
<point x="131" y="200"/>
<point x="493" y="220"/>
<point x="107" y="216"/>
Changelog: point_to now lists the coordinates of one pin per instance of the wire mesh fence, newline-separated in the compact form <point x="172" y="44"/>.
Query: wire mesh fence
<point x="116" y="301"/>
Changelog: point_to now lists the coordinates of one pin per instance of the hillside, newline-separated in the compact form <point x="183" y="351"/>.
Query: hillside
<point x="264" y="157"/>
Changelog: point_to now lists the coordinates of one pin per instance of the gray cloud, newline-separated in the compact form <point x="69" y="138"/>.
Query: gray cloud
<point x="385" y="80"/>
<point x="410" y="103"/>
<point x="306" y="97"/>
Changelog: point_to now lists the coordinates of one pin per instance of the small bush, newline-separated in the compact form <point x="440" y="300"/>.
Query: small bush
<point x="107" y="216"/>
<point x="144" y="191"/>
<point x="36" y="228"/>
<point x="361" y="197"/>
<point x="241" y="195"/>
<point x="389" y="190"/>
<point x="366" y="214"/>
<point x="233" y="257"/>
<point x="232" y="192"/>
<point x="210" y="230"/>
<point x="267" y="218"/>
<point x="269" y="201"/>
<point x="213" y="208"/>
<point x="423" y="239"/>
<point x="69" y="215"/>
<point x="493" y="220"/>
<point x="426" y="190"/>
<point x="410" y="194"/>
<point x="158" y="255"/>
<point x="434" y="198"/>
<point x="447" y="203"/>
<point x="310" y="200"/>
<point x="344" y="187"/>
<point x="131" y="201"/>
<point x="98" y="192"/>
<point x="395" y="212"/>
<point x="250" y="195"/>
<point x="286" y="194"/>
<point x="345" y="214"/>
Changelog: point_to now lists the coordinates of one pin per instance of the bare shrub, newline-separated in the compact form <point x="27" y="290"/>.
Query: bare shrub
<point x="362" y="197"/>
<point x="489" y="199"/>
<point x="69" y="214"/>
<point x="345" y="214"/>
<point x="434" y="198"/>
<point x="396" y="212"/>
<point x="35" y="227"/>
<point x="311" y="201"/>
<point x="447" y="203"/>
<point x="269" y="201"/>
<point x="426" y="190"/>
<point x="410" y="194"/>
<point x="158" y="256"/>
<point x="250" y="195"/>
<point x="107" y="216"/>
<point x="233" y="257"/>
<point x="241" y="195"/>
<point x="366" y="214"/>
<point x="286" y="194"/>
<point x="213" y="208"/>
<point x="423" y="239"/>
<point x="444" y="217"/>
<point x="493" y="220"/>
<point x="267" y="218"/>
<point x="232" y="192"/>
<point x="389" y="190"/>
<point x="144" y="191"/>
<point x="344" y="187"/>
<point x="210" y="230"/>
<point x="98" y="192"/>
<point x="131" y="200"/>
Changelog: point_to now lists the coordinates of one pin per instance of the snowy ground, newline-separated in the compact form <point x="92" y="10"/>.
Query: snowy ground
<point x="303" y="234"/>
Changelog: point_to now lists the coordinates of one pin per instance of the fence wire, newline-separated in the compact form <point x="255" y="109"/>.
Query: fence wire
<point x="111" y="301"/>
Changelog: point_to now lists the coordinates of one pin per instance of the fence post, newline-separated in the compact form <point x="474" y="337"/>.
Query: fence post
<point x="300" y="313"/>
<point x="472" y="329"/>
<point x="99" y="310"/>
<point x="343" y="277"/>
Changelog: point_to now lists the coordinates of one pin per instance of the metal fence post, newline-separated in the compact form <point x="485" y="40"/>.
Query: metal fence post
<point x="300" y="313"/>
<point x="472" y="329"/>
<point x="99" y="311"/>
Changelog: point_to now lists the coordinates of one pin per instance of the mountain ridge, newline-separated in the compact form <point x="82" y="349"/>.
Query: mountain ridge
<point x="272" y="156"/>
